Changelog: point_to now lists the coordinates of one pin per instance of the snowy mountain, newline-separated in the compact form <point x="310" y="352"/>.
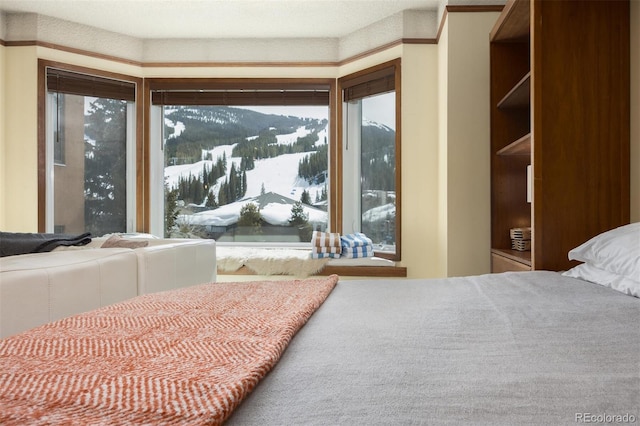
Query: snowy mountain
<point x="278" y="174"/>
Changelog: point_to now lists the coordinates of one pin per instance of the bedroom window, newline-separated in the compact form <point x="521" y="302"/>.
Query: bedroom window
<point x="240" y="161"/>
<point x="370" y="156"/>
<point x="90" y="123"/>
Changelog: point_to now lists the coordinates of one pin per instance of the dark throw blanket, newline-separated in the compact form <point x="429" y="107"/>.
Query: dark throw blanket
<point x="12" y="243"/>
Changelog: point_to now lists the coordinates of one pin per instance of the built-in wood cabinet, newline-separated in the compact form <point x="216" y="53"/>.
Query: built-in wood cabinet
<point x="560" y="103"/>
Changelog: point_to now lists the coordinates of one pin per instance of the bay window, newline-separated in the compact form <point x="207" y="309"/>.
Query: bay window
<point x="255" y="161"/>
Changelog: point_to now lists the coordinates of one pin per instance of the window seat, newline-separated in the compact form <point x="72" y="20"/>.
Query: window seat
<point x="298" y="262"/>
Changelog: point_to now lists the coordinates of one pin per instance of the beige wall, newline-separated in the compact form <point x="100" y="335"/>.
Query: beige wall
<point x="635" y="111"/>
<point x="443" y="128"/>
<point x="419" y="150"/>
<point x="464" y="143"/>
<point x="20" y="181"/>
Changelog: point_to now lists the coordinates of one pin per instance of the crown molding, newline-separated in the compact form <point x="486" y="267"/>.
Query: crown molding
<point x="214" y="64"/>
<point x="67" y="49"/>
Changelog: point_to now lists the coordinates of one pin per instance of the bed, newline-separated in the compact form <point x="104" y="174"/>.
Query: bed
<point x="513" y="348"/>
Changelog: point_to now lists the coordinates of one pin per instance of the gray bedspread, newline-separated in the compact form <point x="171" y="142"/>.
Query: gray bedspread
<point x="505" y="349"/>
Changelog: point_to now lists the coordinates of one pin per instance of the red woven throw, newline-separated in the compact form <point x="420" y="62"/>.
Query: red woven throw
<point x="185" y="356"/>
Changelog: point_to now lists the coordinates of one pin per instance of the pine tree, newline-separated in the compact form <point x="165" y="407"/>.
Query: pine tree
<point x="244" y="184"/>
<point x="222" y="193"/>
<point x="170" y="209"/>
<point x="250" y="219"/>
<point x="300" y="220"/>
<point x="233" y="184"/>
<point x="305" y="198"/>
<point x="298" y="216"/>
<point x="211" y="201"/>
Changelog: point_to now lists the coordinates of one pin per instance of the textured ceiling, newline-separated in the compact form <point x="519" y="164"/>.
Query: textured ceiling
<point x="149" y="19"/>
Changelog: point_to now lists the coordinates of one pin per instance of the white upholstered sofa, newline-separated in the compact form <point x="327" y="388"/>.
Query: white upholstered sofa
<point x="42" y="287"/>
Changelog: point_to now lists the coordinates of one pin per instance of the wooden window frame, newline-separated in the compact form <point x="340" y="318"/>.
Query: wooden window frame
<point x="242" y="91"/>
<point x="381" y="78"/>
<point x="90" y="82"/>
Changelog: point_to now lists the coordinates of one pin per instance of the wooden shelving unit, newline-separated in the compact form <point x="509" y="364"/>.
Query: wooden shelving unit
<point x="560" y="103"/>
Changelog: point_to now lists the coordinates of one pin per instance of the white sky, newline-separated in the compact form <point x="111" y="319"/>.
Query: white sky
<point x="380" y="109"/>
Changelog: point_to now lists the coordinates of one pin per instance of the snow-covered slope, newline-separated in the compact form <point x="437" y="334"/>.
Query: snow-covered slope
<point x="278" y="175"/>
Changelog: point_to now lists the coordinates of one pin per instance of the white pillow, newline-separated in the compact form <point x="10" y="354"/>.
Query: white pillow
<point x="596" y="275"/>
<point x="616" y="251"/>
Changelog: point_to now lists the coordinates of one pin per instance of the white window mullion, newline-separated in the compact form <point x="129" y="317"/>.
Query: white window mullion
<point x="49" y="196"/>
<point x="156" y="171"/>
<point x="351" y="211"/>
<point x="131" y="167"/>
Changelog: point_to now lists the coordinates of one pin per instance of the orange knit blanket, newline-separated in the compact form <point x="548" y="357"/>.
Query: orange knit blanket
<point x="185" y="356"/>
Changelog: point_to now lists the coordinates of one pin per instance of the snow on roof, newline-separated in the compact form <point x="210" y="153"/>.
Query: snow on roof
<point x="275" y="209"/>
<point x="379" y="213"/>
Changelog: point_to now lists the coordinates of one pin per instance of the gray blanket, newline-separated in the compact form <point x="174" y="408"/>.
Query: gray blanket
<point x="14" y="243"/>
<point x="504" y="349"/>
